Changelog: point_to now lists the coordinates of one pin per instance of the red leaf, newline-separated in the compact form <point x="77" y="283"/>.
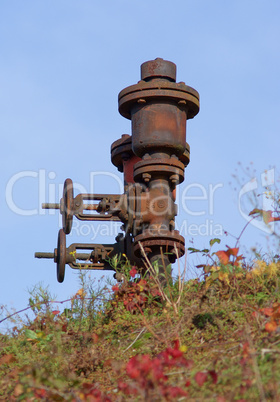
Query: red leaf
<point x="266" y="215"/>
<point x="223" y="257"/>
<point x="238" y="258"/>
<point x="270" y="326"/>
<point x="214" y="376"/>
<point x="175" y="353"/>
<point x="41" y="393"/>
<point x="188" y="383"/>
<point x="233" y="251"/>
<point x="55" y="312"/>
<point x="132" y="369"/>
<point x="174" y="392"/>
<point x="200" y="378"/>
<point x="267" y="311"/>
<point x="133" y="272"/>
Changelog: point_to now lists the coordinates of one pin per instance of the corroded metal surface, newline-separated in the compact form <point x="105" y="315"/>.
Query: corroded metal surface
<point x="153" y="161"/>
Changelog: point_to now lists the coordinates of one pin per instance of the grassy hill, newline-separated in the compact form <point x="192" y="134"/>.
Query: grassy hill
<point x="212" y="339"/>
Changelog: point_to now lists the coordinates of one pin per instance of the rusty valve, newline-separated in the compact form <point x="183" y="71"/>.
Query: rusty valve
<point x="153" y="161"/>
<point x="70" y="206"/>
<point x="96" y="256"/>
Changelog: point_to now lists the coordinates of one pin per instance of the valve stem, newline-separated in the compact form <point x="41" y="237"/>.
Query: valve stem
<point x="87" y="207"/>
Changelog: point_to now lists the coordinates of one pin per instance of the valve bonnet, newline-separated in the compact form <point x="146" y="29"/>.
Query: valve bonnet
<point x="158" y="68"/>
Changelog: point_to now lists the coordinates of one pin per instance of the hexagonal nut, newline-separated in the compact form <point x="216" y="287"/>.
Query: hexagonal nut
<point x="174" y="179"/>
<point x="146" y="177"/>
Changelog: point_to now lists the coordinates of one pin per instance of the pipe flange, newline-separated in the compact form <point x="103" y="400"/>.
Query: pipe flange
<point x="159" y="85"/>
<point x="185" y="158"/>
<point x="153" y="240"/>
<point x="170" y="168"/>
<point x="158" y="108"/>
<point x="121" y="149"/>
<point x="178" y="92"/>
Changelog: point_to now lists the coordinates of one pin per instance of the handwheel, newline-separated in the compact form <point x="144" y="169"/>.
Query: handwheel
<point x="60" y="256"/>
<point x="67" y="206"/>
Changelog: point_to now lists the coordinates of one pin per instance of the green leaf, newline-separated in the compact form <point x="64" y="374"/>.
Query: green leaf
<point x="193" y="250"/>
<point x="138" y="344"/>
<point x="31" y="302"/>
<point x="30" y="334"/>
<point x="49" y="337"/>
<point x="67" y="312"/>
<point x="256" y="211"/>
<point x="213" y="241"/>
<point x="215" y="275"/>
<point x="147" y="335"/>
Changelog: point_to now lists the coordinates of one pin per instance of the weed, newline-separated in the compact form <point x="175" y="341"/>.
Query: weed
<point x="213" y="338"/>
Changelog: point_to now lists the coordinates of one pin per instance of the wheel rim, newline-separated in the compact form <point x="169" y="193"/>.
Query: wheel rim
<point x="61" y="256"/>
<point x="68" y="197"/>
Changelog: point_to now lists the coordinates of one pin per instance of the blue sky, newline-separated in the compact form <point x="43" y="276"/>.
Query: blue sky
<point x="62" y="67"/>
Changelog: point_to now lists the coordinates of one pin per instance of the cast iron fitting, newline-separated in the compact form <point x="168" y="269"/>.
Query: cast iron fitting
<point x="158" y="108"/>
<point x="157" y="205"/>
<point x="158" y="68"/>
<point x="124" y="158"/>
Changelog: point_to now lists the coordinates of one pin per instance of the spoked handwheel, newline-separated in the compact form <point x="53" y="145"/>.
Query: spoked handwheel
<point x="67" y="206"/>
<point x="60" y="256"/>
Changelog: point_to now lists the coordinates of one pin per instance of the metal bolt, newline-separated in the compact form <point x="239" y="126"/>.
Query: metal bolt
<point x="172" y="224"/>
<point x="174" y="178"/>
<point x="146" y="177"/>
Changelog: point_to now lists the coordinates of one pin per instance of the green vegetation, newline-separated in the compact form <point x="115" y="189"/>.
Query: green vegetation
<point x="217" y="339"/>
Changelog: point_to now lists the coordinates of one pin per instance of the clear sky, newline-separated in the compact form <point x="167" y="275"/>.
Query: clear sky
<point x="62" y="65"/>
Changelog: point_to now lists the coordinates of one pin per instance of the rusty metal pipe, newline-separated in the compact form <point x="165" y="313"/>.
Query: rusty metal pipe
<point x="153" y="161"/>
<point x="159" y="108"/>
